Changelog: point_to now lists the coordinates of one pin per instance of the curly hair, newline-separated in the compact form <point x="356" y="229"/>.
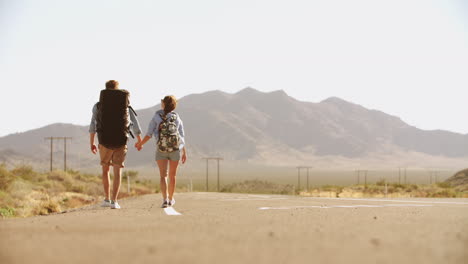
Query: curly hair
<point x="170" y="103"/>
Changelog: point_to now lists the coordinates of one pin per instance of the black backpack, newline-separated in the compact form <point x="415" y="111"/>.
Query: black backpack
<point x="112" y="120"/>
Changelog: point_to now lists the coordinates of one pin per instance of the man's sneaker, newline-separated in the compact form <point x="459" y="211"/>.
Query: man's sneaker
<point x="165" y="203"/>
<point x="115" y="205"/>
<point x="172" y="202"/>
<point x="106" y="203"/>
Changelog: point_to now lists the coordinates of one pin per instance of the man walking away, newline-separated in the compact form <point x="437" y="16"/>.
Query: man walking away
<point x="111" y="122"/>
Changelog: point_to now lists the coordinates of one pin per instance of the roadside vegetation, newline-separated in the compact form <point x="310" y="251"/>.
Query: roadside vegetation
<point x="25" y="192"/>
<point x="258" y="187"/>
<point x="377" y="190"/>
<point x="390" y="190"/>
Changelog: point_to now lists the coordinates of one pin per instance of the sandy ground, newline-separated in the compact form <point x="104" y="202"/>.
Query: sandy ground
<point x="240" y="228"/>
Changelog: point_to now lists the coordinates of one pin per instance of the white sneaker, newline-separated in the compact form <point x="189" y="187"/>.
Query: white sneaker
<point x="115" y="205"/>
<point x="106" y="203"/>
<point x="165" y="203"/>
<point x="172" y="202"/>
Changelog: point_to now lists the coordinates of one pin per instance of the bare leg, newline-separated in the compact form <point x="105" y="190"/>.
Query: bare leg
<point x="117" y="181"/>
<point x="173" y="165"/>
<point x="162" y="164"/>
<point x="105" y="181"/>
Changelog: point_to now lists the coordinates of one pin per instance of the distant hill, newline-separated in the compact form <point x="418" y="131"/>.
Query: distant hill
<point x="261" y="127"/>
<point x="460" y="178"/>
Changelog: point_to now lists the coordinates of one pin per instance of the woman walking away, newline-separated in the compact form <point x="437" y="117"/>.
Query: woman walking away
<point x="168" y="130"/>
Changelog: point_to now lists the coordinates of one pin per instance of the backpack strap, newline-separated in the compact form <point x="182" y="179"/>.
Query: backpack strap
<point x="131" y="108"/>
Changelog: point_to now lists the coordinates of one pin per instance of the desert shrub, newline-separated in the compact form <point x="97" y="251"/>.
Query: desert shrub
<point x="6" y="200"/>
<point x="19" y="189"/>
<point x="75" y="202"/>
<point x="59" y="176"/>
<point x="331" y="188"/>
<point x="93" y="189"/>
<point x="381" y="182"/>
<point x="7" y="212"/>
<point x="462" y="188"/>
<point x="398" y="186"/>
<point x="25" y="172"/>
<point x="257" y="186"/>
<point x="132" y="174"/>
<point x="444" y="193"/>
<point x="47" y="207"/>
<point x="78" y="188"/>
<point x="444" y="185"/>
<point x="54" y="187"/>
<point x="5" y="177"/>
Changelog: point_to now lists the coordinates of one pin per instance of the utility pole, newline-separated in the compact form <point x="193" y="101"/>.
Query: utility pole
<point x="433" y="173"/>
<point x="405" y="175"/>
<point x="358" y="172"/>
<point x="64" y="150"/>
<point x="299" y="176"/>
<point x="399" y="175"/>
<point x="217" y="160"/>
<point x="365" y="178"/>
<point x="51" y="148"/>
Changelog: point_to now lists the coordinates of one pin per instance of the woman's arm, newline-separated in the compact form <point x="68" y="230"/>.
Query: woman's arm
<point x="152" y="126"/>
<point x="184" y="155"/>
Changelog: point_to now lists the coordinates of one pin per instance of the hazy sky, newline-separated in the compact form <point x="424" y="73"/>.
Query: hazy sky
<point x="408" y="58"/>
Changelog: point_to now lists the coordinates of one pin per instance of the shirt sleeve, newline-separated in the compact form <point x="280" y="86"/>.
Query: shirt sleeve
<point x="152" y="128"/>
<point x="135" y="124"/>
<point x="181" y="133"/>
<point x="92" y="125"/>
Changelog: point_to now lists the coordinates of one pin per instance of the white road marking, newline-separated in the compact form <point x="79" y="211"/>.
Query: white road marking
<point x="171" y="211"/>
<point x="253" y="199"/>
<point x="343" y="206"/>
<point x="395" y="201"/>
<point x="291" y="207"/>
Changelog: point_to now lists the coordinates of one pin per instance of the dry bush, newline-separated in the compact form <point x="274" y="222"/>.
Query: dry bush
<point x="5" y="177"/>
<point x="76" y="201"/>
<point x="93" y="189"/>
<point x="257" y="186"/>
<point x="25" y="172"/>
<point x="59" y="176"/>
<point x="7" y="212"/>
<point x="47" y="207"/>
<point x="19" y="189"/>
<point x="444" y="185"/>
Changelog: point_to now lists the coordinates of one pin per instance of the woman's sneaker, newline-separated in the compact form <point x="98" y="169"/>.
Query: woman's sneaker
<point x="165" y="203"/>
<point x="172" y="202"/>
<point x="115" y="205"/>
<point x="106" y="203"/>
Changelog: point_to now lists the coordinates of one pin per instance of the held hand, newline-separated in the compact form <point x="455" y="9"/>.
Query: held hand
<point x="93" y="149"/>
<point x="138" y="146"/>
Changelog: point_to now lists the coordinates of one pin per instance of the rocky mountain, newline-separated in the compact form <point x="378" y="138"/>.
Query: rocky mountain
<point x="255" y="126"/>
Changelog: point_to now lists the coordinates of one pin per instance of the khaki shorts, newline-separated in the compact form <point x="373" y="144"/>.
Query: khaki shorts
<point x="114" y="157"/>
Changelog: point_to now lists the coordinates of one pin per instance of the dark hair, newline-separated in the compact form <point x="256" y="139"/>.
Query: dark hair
<point x="112" y="84"/>
<point x="170" y="103"/>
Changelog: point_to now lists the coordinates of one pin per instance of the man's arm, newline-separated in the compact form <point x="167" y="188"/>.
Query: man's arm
<point x="92" y="130"/>
<point x="91" y="142"/>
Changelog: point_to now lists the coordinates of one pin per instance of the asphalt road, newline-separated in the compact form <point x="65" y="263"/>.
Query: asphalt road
<point x="241" y="228"/>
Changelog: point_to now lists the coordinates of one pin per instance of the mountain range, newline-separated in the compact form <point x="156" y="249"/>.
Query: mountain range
<point x="259" y="127"/>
